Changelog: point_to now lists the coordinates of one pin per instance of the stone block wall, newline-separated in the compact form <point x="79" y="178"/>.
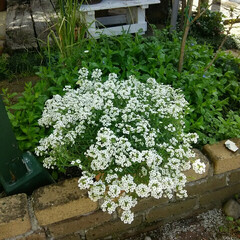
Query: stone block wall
<point x="63" y="212"/>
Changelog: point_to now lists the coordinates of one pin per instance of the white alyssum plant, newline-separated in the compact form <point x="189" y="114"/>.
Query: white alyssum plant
<point x="127" y="133"/>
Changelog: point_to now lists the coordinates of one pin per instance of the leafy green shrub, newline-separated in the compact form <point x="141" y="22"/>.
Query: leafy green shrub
<point x="209" y="29"/>
<point x="227" y="63"/>
<point x="209" y="24"/>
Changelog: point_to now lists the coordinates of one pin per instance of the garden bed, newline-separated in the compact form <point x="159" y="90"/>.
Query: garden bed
<point x="129" y="135"/>
<point x="62" y="211"/>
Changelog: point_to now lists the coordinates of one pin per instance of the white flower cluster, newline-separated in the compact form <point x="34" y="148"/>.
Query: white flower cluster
<point x="198" y="166"/>
<point x="128" y="133"/>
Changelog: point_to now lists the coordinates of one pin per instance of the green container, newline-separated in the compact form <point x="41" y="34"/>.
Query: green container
<point x="19" y="173"/>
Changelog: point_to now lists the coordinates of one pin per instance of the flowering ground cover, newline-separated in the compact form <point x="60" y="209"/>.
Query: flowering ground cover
<point x="127" y="133"/>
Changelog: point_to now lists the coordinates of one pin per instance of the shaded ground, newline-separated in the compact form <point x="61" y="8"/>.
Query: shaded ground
<point x="17" y="84"/>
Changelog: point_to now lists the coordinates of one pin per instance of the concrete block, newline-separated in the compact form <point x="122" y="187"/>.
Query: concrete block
<point x="224" y="160"/>
<point x="14" y="217"/>
<point x="81" y="223"/>
<point x="171" y="210"/>
<point x="111" y="229"/>
<point x="58" y="202"/>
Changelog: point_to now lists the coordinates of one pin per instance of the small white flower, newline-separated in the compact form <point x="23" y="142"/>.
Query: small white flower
<point x="142" y="190"/>
<point x="127" y="217"/>
<point x="109" y="206"/>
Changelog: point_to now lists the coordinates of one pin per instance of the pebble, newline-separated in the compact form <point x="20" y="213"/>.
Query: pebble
<point x="147" y="238"/>
<point x="232" y="209"/>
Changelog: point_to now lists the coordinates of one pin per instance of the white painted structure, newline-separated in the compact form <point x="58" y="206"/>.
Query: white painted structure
<point x="128" y="15"/>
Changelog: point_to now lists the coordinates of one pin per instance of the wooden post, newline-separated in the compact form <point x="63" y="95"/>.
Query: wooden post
<point x="174" y="15"/>
<point x="185" y="34"/>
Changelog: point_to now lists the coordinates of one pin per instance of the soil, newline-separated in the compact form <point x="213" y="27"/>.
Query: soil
<point x="17" y="84"/>
<point x="71" y="172"/>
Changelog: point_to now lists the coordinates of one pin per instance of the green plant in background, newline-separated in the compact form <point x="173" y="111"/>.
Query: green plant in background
<point x="209" y="24"/>
<point x="20" y="63"/>
<point x="209" y="28"/>
<point x="25" y="62"/>
<point x="4" y="70"/>
<point x="70" y="29"/>
<point x="213" y="95"/>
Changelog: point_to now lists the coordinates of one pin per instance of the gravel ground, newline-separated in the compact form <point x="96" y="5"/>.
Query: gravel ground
<point x="205" y="226"/>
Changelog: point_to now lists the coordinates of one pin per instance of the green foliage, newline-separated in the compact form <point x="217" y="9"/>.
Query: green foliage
<point x="213" y="95"/>
<point x="22" y="63"/>
<point x="232" y="227"/>
<point x="69" y="30"/>
<point x="209" y="24"/>
<point x="209" y="28"/>
<point x="25" y="62"/>
<point x="4" y="71"/>
<point x="25" y="113"/>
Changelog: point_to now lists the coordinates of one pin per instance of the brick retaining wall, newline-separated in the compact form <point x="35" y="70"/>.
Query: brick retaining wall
<point x="62" y="211"/>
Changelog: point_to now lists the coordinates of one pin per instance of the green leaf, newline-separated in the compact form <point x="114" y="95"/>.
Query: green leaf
<point x="21" y="138"/>
<point x="231" y="219"/>
<point x="55" y="175"/>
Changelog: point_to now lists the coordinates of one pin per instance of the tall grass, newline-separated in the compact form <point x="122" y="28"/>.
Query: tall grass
<point x="70" y="28"/>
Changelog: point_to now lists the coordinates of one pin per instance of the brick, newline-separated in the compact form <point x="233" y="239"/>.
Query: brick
<point x="14" y="217"/>
<point x="146" y="204"/>
<point x="38" y="235"/>
<point x="234" y="177"/>
<point x="111" y="229"/>
<point x="224" y="160"/>
<point x="171" y="210"/>
<point x="214" y="199"/>
<point x="80" y="223"/>
<point x="61" y="201"/>
<point x="70" y="237"/>
<point x="210" y="184"/>
<point x="143" y="228"/>
<point x="191" y="175"/>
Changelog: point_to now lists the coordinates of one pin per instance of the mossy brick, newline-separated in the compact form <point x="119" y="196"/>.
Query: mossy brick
<point x="14" y="217"/>
<point x="171" y="210"/>
<point x="61" y="201"/>
<point x="234" y="177"/>
<point x="147" y="203"/>
<point x="79" y="223"/>
<point x="209" y="184"/>
<point x="113" y="229"/>
<point x="216" y="198"/>
<point x="191" y="174"/>
<point x="223" y="159"/>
